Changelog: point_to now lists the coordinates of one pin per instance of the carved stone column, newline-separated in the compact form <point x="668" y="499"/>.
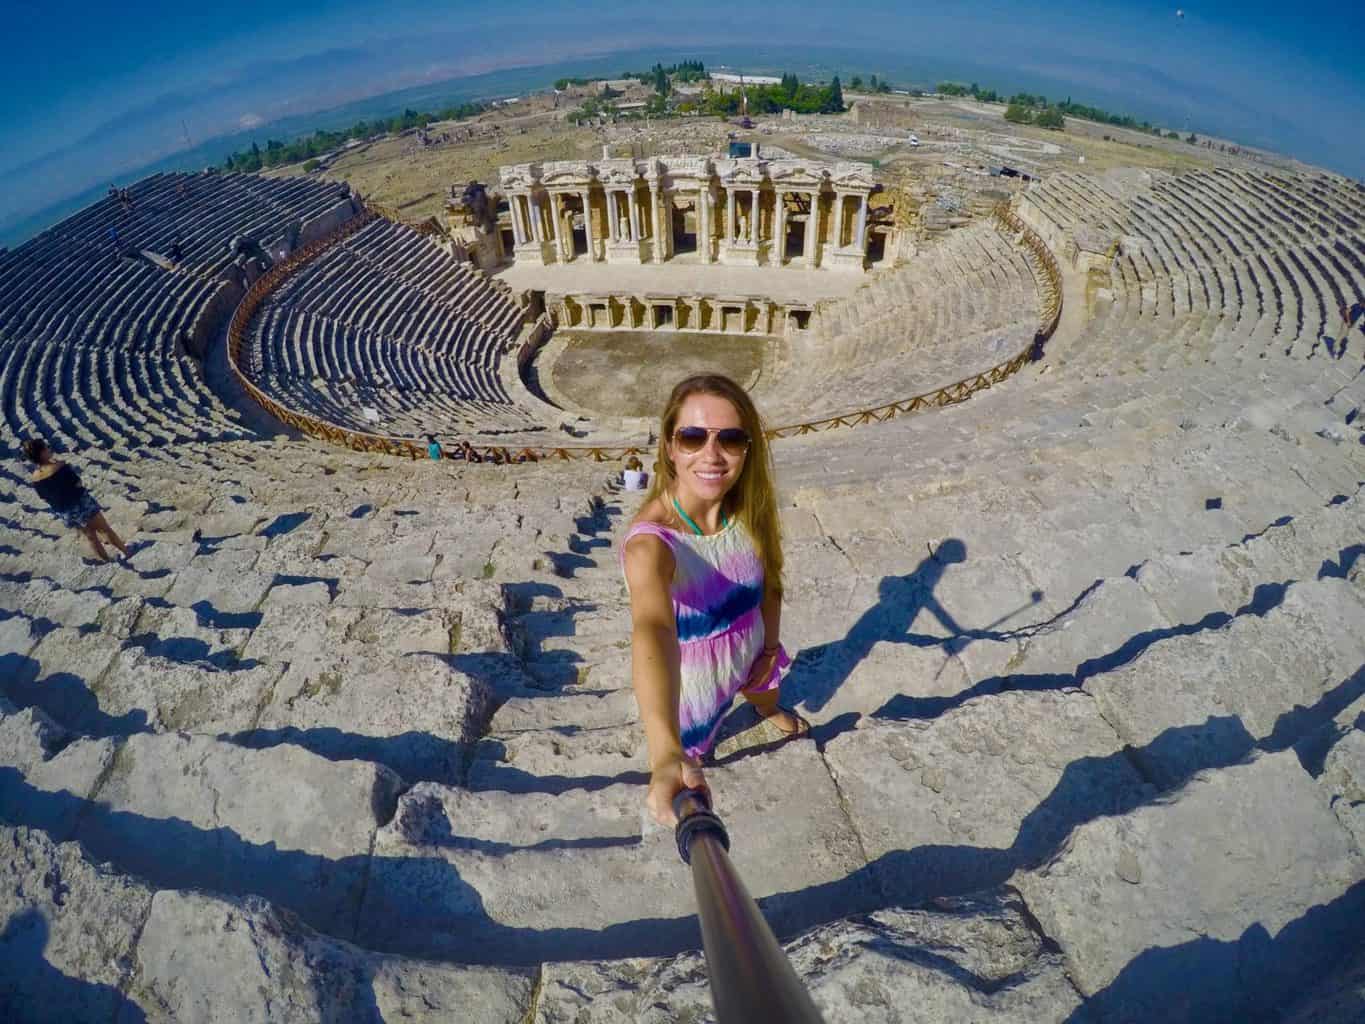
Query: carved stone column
<point x="537" y="228"/>
<point x="861" y="240"/>
<point x="613" y="215"/>
<point x="813" y="232"/>
<point x="731" y="228"/>
<point x="556" y="215"/>
<point x="755" y="213"/>
<point x="518" y="229"/>
<point x="837" y="236"/>
<point x="587" y="224"/>
<point x="656" y="221"/>
<point x="704" y="223"/>
<point x="633" y="205"/>
<point x="780" y="229"/>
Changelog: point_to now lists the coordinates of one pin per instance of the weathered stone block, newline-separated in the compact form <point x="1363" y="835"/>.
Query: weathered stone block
<point x="959" y="801"/>
<point x="195" y="812"/>
<point x="1220" y="902"/>
<point x="70" y="929"/>
<point x="555" y="872"/>
<point x="202" y="959"/>
<point x="152" y="692"/>
<point x="417" y="713"/>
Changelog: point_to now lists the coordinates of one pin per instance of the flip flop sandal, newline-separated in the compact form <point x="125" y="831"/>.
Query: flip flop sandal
<point x="802" y="725"/>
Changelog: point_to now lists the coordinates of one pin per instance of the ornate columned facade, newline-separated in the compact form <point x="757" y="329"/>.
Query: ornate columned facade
<point x="739" y="212"/>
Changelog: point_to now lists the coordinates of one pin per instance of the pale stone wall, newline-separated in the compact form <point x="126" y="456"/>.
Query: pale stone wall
<point x="724" y="314"/>
<point x="742" y="212"/>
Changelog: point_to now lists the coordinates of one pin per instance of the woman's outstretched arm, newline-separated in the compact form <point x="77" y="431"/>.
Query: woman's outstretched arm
<point x="656" y="673"/>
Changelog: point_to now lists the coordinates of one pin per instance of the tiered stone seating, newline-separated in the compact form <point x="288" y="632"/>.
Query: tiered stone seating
<point x="353" y="738"/>
<point x="961" y="307"/>
<point x="388" y="320"/>
<point x="95" y="345"/>
<point x="1231" y="265"/>
<point x="1069" y="200"/>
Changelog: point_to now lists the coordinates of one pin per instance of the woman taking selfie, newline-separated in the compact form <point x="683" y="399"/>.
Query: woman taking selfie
<point x="703" y="561"/>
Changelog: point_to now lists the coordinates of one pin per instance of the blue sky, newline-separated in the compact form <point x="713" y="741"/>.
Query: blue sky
<point x="90" y="92"/>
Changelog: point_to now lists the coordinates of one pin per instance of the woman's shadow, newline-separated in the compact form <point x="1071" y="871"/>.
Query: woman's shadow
<point x="818" y="672"/>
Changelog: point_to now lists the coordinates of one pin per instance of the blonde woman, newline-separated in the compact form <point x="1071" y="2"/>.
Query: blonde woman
<point x="703" y="560"/>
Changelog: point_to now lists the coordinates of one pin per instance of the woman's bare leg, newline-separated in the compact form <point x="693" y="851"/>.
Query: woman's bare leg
<point x="102" y="525"/>
<point x="91" y="534"/>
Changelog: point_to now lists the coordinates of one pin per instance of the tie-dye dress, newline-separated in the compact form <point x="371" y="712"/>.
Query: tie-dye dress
<point x="717" y="592"/>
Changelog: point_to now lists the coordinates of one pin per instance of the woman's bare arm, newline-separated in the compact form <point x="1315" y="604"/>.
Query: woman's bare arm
<point x="656" y="672"/>
<point x="655" y="659"/>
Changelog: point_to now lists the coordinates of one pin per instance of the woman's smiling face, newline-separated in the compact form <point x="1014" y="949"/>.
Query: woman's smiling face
<point x="708" y="474"/>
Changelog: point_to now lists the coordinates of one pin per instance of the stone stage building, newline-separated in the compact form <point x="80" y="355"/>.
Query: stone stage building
<point x="709" y="210"/>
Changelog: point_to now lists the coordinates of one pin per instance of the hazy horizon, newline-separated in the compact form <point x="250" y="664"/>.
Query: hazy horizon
<point x="112" y="99"/>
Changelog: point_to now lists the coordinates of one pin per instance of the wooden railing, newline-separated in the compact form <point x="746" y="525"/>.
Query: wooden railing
<point x="1047" y="273"/>
<point x="1050" y="290"/>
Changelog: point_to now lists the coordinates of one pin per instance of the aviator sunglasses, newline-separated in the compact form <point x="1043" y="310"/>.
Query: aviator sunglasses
<point x="734" y="441"/>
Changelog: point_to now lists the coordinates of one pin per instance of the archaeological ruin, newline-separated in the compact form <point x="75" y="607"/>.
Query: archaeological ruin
<point x="735" y="212"/>
<point x="1070" y="467"/>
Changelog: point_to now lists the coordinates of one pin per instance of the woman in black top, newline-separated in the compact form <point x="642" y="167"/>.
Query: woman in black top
<point x="60" y="486"/>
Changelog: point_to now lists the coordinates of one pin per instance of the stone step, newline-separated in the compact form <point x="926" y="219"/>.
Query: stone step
<point x="511" y="877"/>
<point x="279" y="822"/>
<point x="1267" y="678"/>
<point x="971" y="959"/>
<point x="112" y="947"/>
<point x="1222" y="900"/>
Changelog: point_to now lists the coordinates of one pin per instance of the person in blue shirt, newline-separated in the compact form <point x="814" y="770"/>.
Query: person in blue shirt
<point x="433" y="448"/>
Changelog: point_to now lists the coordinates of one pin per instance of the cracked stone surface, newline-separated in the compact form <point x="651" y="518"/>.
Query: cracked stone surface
<point x="70" y="930"/>
<point x="968" y="959"/>
<point x="202" y="959"/>
<point x="352" y="737"/>
<point x="1219" y="897"/>
<point x="279" y="821"/>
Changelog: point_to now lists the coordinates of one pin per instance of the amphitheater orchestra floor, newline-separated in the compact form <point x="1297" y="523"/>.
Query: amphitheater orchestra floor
<point x="785" y="284"/>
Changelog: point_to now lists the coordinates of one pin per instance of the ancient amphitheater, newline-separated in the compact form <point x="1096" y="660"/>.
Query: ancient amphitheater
<point x="1072" y="500"/>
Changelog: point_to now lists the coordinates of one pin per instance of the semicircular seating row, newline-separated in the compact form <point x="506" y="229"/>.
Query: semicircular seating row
<point x="957" y="309"/>
<point x="388" y="320"/>
<point x="1222" y="264"/>
<point x="95" y="315"/>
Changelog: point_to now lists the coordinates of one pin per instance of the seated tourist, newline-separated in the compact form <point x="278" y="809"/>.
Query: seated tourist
<point x="633" y="476"/>
<point x="60" y="486"/>
<point x="433" y="448"/>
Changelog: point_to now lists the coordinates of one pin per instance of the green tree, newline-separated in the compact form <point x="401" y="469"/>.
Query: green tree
<point x="834" y="98"/>
<point x="1050" y="118"/>
<point x="1192" y="138"/>
<point x="660" y="80"/>
<point x="1017" y="113"/>
<point x="856" y="82"/>
<point x="311" y="165"/>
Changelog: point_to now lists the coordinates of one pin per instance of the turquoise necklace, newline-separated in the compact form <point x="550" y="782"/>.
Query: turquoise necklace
<point x="724" y="522"/>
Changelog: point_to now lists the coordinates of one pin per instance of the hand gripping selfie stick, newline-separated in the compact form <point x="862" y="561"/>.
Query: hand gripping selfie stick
<point x="751" y="979"/>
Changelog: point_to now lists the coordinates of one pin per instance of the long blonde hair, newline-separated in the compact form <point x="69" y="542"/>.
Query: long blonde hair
<point x="753" y="498"/>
